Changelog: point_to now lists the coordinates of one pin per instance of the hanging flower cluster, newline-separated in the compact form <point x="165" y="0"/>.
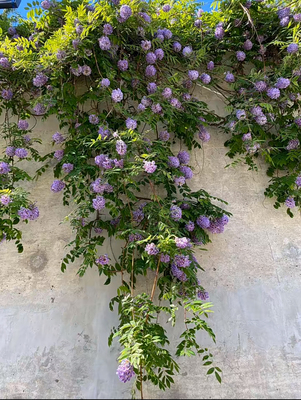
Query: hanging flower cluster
<point x="121" y="78"/>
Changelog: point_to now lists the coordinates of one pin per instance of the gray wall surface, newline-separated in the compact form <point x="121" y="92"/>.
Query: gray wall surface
<point x="54" y="326"/>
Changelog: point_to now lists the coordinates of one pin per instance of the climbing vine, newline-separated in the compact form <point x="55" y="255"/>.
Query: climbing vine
<point x="121" y="78"/>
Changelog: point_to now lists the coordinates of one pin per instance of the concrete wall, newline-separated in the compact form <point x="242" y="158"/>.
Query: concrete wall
<point x="54" y="326"/>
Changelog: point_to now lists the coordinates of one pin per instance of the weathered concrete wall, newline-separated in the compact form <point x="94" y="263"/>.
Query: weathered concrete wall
<point x="54" y="326"/>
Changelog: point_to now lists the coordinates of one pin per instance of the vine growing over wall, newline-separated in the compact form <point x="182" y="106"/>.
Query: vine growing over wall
<point x="120" y="77"/>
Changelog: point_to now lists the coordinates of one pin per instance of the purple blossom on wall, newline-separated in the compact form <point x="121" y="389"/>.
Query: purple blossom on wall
<point x="117" y="95"/>
<point x="290" y="202"/>
<point x="149" y="166"/>
<point x="67" y="167"/>
<point x="175" y="213"/>
<point x="57" y="186"/>
<point x="21" y="153"/>
<point x="23" y="125"/>
<point x="151" y="249"/>
<point x="125" y="371"/>
<point x="103" y="260"/>
<point x="99" y="203"/>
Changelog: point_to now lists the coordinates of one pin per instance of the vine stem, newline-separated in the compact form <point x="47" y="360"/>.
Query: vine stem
<point x="141" y="379"/>
<point x="155" y="280"/>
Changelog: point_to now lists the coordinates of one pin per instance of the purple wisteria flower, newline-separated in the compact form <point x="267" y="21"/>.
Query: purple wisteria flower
<point x="164" y="258"/>
<point x="152" y="87"/>
<point x="198" y="23"/>
<point x="107" y="29"/>
<point x="178" y="273"/>
<point x="159" y="54"/>
<point x="284" y="21"/>
<point x="297" y="17"/>
<point x="241" y="114"/>
<point x="190" y="226"/>
<point x="229" y="77"/>
<point x="186" y="171"/>
<point x="141" y="107"/>
<point x="241" y="56"/>
<point x="103" y="260"/>
<point x="193" y="75"/>
<point x="260" y="86"/>
<point x="248" y="45"/>
<point x="123" y="65"/>
<point x="61" y="54"/>
<point x="179" y="181"/>
<point x="290" y="202"/>
<point x="293" y="144"/>
<point x="175" y="213"/>
<point x="246" y="137"/>
<point x="203" y="222"/>
<point x="40" y="79"/>
<point x="105" y="83"/>
<point x="273" y="93"/>
<point x="166" y="8"/>
<point x="256" y="111"/>
<point x="167" y="93"/>
<point x="298" y="122"/>
<point x="261" y="119"/>
<point x="104" y="43"/>
<point x="78" y="29"/>
<point x="146" y="17"/>
<point x="205" y="78"/>
<point x="5" y="200"/>
<point x="146" y="101"/>
<point x="204" y="135"/>
<point x="7" y="94"/>
<point x="86" y="70"/>
<point x="292" y="48"/>
<point x="117" y="95"/>
<point x="138" y="215"/>
<point x="99" y="203"/>
<point x="75" y="43"/>
<point x="164" y="136"/>
<point x="219" y="32"/>
<point x="67" y="167"/>
<point x="10" y="151"/>
<point x="31" y="213"/>
<point x="21" y="153"/>
<point x="125" y="12"/>
<point x="282" y="83"/>
<point x="23" y="125"/>
<point x="58" y="138"/>
<point x="203" y="295"/>
<point x="57" y="186"/>
<point x="186" y="51"/>
<point x="181" y="261"/>
<point x="210" y="66"/>
<point x="176" y="103"/>
<point x="59" y="154"/>
<point x="93" y="119"/>
<point x="182" y="243"/>
<point x="121" y="147"/>
<point x="173" y="162"/>
<point x="177" y="46"/>
<point x="186" y="97"/>
<point x="46" y="4"/>
<point x="167" y="33"/>
<point x="39" y="109"/>
<point x="298" y="181"/>
<point x="135" y="237"/>
<point x="131" y="123"/>
<point x="150" y="71"/>
<point x="149" y="166"/>
<point x="4" y="63"/>
<point x="284" y="12"/>
<point x="146" y="45"/>
<point x="125" y="371"/>
<point x="151" y="249"/>
<point x="183" y="157"/>
<point x="156" y="108"/>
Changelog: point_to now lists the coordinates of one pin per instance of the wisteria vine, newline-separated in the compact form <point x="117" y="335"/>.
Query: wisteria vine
<point x="121" y="79"/>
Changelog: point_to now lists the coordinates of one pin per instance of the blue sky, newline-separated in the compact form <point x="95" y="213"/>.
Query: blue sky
<point x="23" y="3"/>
